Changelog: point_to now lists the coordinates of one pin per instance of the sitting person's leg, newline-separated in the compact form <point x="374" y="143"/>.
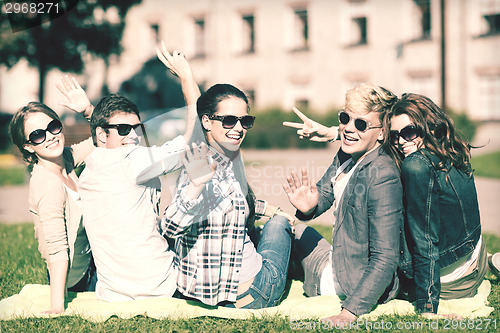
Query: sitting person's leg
<point x="274" y="247"/>
<point x="312" y="252"/>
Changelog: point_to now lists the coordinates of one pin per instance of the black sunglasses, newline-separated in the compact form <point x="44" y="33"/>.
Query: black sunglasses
<point x="409" y="133"/>
<point x="231" y="121"/>
<point x="38" y="136"/>
<point x="124" y="129"/>
<point x="360" y="124"/>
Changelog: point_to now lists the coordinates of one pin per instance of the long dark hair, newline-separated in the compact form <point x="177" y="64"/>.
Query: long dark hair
<point x="207" y="104"/>
<point x="16" y="128"/>
<point x="437" y="130"/>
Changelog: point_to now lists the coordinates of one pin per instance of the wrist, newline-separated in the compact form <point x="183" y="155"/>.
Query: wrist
<point x="349" y="314"/>
<point x="333" y="133"/>
<point x="276" y="212"/>
<point x="87" y="113"/>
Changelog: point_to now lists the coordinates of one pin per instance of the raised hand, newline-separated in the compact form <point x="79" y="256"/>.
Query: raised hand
<point x="175" y="62"/>
<point x="78" y="100"/>
<point x="302" y="193"/>
<point x="312" y="129"/>
<point x="197" y="165"/>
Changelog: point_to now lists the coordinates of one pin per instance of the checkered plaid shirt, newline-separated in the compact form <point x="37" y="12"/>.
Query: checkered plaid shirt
<point x="209" y="232"/>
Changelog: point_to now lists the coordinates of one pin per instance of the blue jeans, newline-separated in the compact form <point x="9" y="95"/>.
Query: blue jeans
<point x="274" y="247"/>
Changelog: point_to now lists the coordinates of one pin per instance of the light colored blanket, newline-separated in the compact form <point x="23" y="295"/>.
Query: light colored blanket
<point x="34" y="298"/>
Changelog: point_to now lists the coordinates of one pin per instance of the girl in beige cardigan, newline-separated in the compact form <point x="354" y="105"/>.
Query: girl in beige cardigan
<point x="53" y="196"/>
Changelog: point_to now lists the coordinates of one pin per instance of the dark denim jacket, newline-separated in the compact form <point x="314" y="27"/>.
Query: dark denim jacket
<point x="441" y="223"/>
<point x="366" y="234"/>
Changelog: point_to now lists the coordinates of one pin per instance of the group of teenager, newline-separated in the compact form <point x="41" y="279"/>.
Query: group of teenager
<point x="406" y="218"/>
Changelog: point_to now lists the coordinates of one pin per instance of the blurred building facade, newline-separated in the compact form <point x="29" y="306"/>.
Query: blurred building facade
<point x="308" y="53"/>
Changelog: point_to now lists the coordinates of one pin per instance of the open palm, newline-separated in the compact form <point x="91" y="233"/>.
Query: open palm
<point x="197" y="165"/>
<point x="78" y="100"/>
<point x="302" y="193"/>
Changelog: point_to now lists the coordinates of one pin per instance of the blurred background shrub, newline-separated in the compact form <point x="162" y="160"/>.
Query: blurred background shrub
<point x="464" y="124"/>
<point x="268" y="131"/>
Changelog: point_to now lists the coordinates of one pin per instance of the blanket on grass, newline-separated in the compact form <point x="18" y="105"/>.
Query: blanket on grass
<point x="35" y="298"/>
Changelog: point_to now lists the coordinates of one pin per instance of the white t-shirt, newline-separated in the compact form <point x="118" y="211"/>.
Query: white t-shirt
<point x="328" y="282"/>
<point x="120" y="192"/>
<point x="458" y="269"/>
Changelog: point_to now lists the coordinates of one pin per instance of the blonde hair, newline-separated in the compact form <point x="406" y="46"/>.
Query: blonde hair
<point x="367" y="97"/>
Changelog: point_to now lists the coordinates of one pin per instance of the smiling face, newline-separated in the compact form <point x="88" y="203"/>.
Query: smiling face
<point x="356" y="143"/>
<point x="53" y="146"/>
<point x="223" y="139"/>
<point x="406" y="147"/>
<point x="112" y="139"/>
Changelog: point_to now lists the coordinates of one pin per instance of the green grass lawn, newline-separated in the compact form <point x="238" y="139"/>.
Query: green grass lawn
<point x="20" y="264"/>
<point x="15" y="175"/>
<point x="487" y="165"/>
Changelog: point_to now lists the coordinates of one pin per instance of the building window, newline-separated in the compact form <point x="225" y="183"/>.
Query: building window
<point x="355" y="22"/>
<point x="199" y="37"/>
<point x="248" y="34"/>
<point x="493" y="23"/>
<point x="300" y="29"/>
<point x="298" y="94"/>
<point x="422" y="82"/>
<point x="250" y="93"/>
<point x="358" y="29"/>
<point x="423" y="18"/>
<point x="490" y="11"/>
<point x="489" y="94"/>
<point x="156" y="35"/>
<point x="302" y="103"/>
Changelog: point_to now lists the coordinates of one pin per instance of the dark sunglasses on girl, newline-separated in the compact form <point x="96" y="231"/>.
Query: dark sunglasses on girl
<point x="231" y="121"/>
<point x="124" y="129"/>
<point x="409" y="133"/>
<point x="360" y="124"/>
<point x="38" y="136"/>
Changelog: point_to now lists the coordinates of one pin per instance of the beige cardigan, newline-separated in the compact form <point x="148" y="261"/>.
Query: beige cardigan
<point x="56" y="216"/>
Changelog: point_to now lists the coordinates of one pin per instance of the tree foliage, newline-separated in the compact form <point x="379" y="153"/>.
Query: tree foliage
<point x="86" y="27"/>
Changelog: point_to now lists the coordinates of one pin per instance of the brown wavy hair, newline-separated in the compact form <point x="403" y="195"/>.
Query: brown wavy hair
<point x="16" y="128"/>
<point x="437" y="131"/>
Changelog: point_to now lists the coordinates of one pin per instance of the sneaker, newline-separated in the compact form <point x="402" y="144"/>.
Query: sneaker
<point x="494" y="262"/>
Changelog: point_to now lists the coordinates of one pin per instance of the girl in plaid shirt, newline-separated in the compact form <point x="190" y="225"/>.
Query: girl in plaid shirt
<point x="214" y="209"/>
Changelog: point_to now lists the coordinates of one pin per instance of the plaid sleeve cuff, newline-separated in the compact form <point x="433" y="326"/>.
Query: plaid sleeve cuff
<point x="189" y="206"/>
<point x="260" y="207"/>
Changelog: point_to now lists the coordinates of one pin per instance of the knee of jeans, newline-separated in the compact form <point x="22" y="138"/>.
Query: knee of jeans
<point x="279" y="222"/>
<point x="279" y="219"/>
<point x="273" y="271"/>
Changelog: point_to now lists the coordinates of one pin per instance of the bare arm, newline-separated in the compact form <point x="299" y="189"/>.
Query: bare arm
<point x="58" y="272"/>
<point x="179" y="66"/>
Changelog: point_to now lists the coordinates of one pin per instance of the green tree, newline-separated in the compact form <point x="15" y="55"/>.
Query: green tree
<point x="83" y="27"/>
